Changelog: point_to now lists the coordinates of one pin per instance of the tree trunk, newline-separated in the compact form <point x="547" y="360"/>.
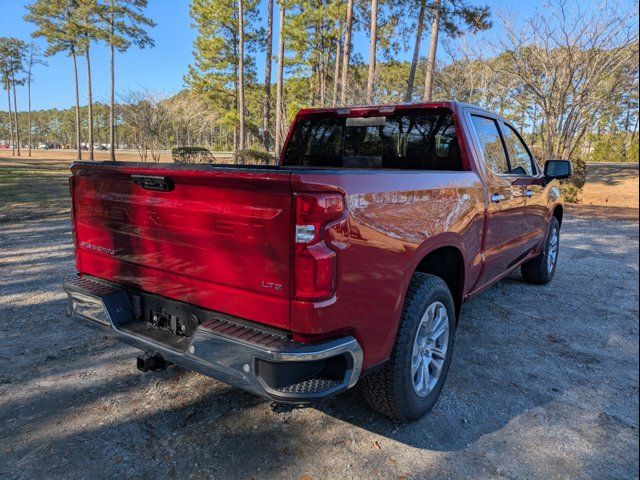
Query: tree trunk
<point x="89" y="103"/>
<point x="12" y="140"/>
<point x="15" y="113"/>
<point x="346" y="54"/>
<point x="279" y="99"/>
<point x="323" y="79"/>
<point x="336" y="66"/>
<point x="242" y="133"/>
<point x="324" y="62"/>
<point x="373" y="43"/>
<point x="311" y="96"/>
<point x="416" y="53"/>
<point x="266" y="139"/>
<point x="112" y="99"/>
<point x="433" y="47"/>
<point x="75" y="72"/>
<point x="29" y="107"/>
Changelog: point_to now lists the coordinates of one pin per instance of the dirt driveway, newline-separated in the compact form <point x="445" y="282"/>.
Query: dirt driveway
<point x="544" y="382"/>
<point x="612" y="185"/>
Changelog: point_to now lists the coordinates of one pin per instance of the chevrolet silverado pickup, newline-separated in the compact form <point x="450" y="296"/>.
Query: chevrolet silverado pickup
<point x="348" y="262"/>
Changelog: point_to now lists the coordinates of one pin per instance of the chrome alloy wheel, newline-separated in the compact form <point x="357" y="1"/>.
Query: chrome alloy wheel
<point x="429" y="349"/>
<point x="552" y="254"/>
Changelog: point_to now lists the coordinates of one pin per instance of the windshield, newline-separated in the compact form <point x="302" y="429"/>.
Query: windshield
<point x="417" y="141"/>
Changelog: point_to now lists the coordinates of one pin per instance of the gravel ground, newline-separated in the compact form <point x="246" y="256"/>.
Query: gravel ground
<point x="544" y="384"/>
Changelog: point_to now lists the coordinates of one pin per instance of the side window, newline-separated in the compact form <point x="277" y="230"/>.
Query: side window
<point x="492" y="148"/>
<point x="521" y="161"/>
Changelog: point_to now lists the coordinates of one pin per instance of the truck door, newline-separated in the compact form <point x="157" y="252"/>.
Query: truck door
<point x="525" y="167"/>
<point x="504" y="229"/>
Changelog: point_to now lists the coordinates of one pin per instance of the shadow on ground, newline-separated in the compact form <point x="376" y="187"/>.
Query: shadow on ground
<point x="609" y="176"/>
<point x="544" y="383"/>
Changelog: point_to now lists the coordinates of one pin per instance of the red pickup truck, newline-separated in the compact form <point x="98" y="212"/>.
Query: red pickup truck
<point x="347" y="262"/>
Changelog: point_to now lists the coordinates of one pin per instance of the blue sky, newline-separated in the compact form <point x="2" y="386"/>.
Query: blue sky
<point x="160" y="68"/>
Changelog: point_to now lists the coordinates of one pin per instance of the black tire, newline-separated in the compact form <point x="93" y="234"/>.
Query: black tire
<point x="536" y="270"/>
<point x="390" y="390"/>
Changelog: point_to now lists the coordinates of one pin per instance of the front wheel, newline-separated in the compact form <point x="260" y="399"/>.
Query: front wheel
<point x="540" y="270"/>
<point x="409" y="384"/>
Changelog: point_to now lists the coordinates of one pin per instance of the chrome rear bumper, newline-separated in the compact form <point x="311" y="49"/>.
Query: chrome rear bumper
<point x="238" y="353"/>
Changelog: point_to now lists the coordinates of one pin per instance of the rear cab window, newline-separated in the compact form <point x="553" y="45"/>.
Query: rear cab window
<point x="410" y="141"/>
<point x="493" y="152"/>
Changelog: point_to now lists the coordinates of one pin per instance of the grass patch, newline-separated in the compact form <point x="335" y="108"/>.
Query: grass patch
<point x="27" y="192"/>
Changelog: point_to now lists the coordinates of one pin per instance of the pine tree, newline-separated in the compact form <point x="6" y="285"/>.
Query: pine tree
<point x="280" y="81"/>
<point x="12" y="58"/>
<point x="450" y="14"/>
<point x="87" y="29"/>
<point x="6" y="64"/>
<point x="346" y="51"/>
<point x="266" y="140"/>
<point x="55" y="21"/>
<point x="241" y="115"/>
<point x="336" y="64"/>
<point x="416" y="51"/>
<point x="373" y="44"/>
<point x="123" y="24"/>
<point x="215" y="69"/>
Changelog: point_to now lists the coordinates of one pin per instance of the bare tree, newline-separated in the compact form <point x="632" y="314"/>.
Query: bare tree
<point x="33" y="57"/>
<point x="148" y="117"/>
<point x="191" y="114"/>
<point x="571" y="64"/>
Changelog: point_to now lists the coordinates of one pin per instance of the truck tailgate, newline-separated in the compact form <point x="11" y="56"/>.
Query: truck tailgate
<point x="218" y="238"/>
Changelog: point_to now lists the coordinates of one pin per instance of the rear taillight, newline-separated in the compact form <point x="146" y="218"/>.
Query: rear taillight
<point x="74" y="235"/>
<point x="314" y="263"/>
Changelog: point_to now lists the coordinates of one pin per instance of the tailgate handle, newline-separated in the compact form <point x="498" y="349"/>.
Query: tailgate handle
<point x="149" y="182"/>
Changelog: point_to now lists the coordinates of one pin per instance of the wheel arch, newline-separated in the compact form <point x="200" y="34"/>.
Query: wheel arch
<point x="558" y="212"/>
<point x="447" y="262"/>
<point x="444" y="257"/>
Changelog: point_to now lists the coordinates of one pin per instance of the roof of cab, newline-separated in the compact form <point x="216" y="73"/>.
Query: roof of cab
<point x="361" y="110"/>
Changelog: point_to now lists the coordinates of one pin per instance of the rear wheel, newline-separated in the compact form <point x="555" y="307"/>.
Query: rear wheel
<point x="540" y="270"/>
<point x="409" y="384"/>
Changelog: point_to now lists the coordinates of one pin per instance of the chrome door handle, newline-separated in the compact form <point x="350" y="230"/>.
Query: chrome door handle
<point x="497" y="198"/>
<point x="528" y="193"/>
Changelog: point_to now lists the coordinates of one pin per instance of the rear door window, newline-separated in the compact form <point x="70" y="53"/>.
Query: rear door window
<point x="491" y="144"/>
<point x="420" y="141"/>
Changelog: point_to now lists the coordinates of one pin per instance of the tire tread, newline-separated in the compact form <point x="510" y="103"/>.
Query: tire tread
<point x="381" y="389"/>
<point x="535" y="270"/>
